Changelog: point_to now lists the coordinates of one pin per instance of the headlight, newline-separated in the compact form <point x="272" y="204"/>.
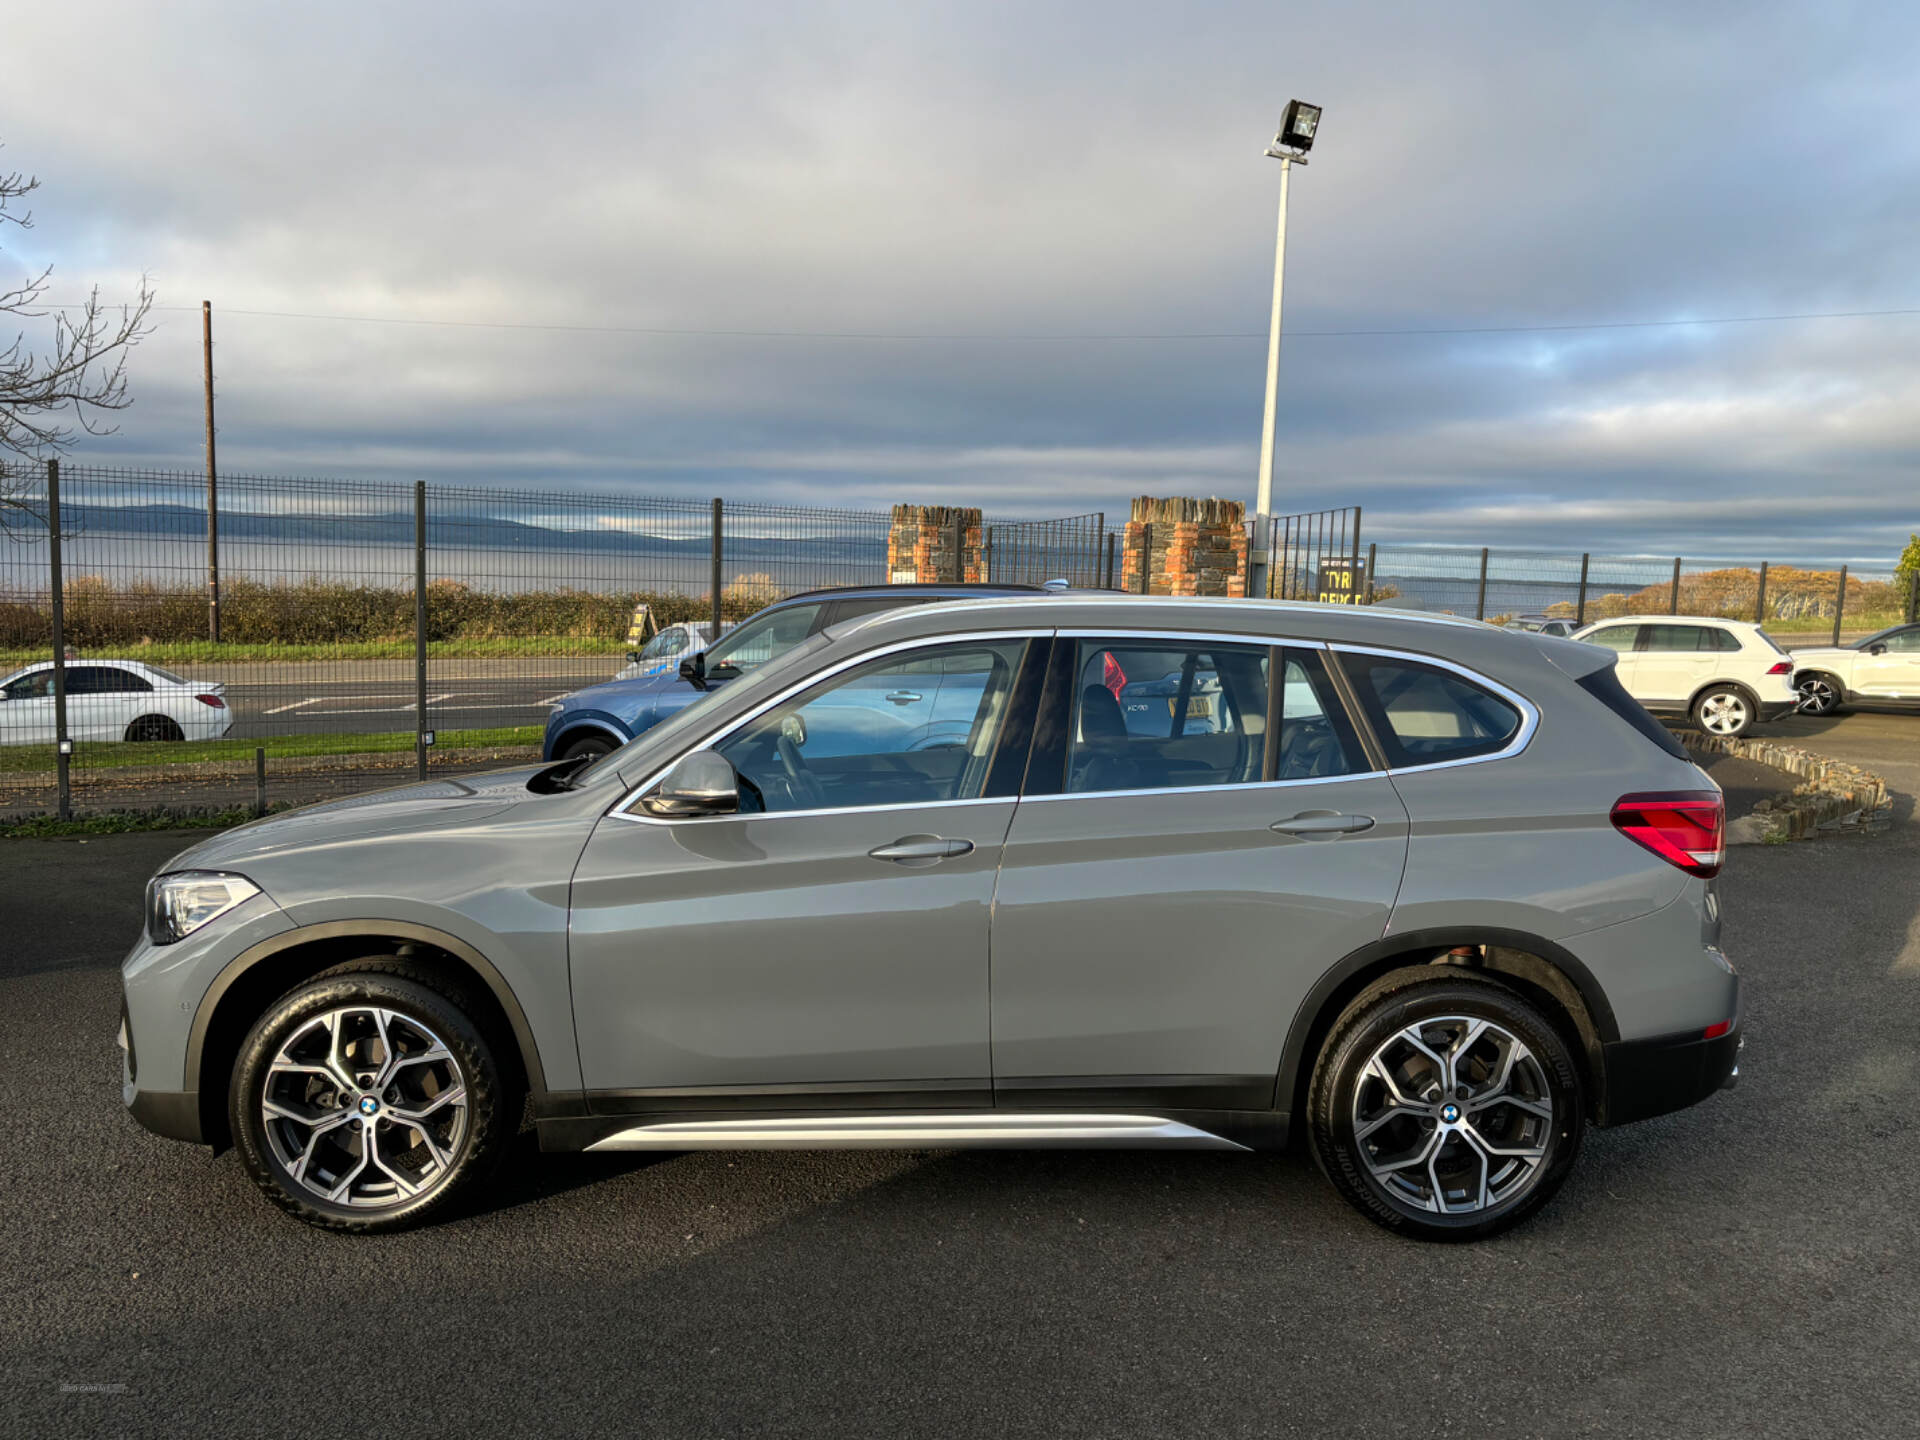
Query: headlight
<point x="179" y="904"/>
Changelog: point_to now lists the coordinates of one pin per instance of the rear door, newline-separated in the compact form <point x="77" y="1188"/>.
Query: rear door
<point x="1184" y="864"/>
<point x="1674" y="661"/>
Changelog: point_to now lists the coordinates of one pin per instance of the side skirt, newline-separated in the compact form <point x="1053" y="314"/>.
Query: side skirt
<point x="914" y="1132"/>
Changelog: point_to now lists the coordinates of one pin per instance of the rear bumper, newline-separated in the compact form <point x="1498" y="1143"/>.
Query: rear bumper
<point x="1775" y="709"/>
<point x="1653" y="1077"/>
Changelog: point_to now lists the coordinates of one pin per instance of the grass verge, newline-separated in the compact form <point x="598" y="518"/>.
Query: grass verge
<point x="205" y="652"/>
<point x="119" y="755"/>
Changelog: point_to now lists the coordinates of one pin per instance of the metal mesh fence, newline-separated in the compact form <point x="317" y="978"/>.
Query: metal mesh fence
<point x="345" y="622"/>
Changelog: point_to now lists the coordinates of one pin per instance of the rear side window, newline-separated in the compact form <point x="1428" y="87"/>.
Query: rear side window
<point x="1722" y="640"/>
<point x="1677" y="637"/>
<point x="1315" y="738"/>
<point x="1424" y="715"/>
<point x="1604" y="685"/>
<point x="104" y="680"/>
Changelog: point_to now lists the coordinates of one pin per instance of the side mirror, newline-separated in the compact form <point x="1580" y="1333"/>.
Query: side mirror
<point x="794" y="727"/>
<point x="633" y="657"/>
<point x="694" y="670"/>
<point x="703" y="783"/>
<point x="1879" y="649"/>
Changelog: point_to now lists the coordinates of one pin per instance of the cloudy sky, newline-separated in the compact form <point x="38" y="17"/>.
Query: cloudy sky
<point x="854" y="254"/>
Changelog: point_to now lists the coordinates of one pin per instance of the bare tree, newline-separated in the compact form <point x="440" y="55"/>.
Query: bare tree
<point x="79" y="381"/>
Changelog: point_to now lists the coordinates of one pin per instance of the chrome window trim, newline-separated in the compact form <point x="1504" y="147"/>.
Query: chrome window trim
<point x="624" y="809"/>
<point x="1529" y="714"/>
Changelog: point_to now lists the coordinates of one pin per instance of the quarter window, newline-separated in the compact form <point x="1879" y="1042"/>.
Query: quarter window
<point x="911" y="729"/>
<point x="1149" y="715"/>
<point x="1424" y="715"/>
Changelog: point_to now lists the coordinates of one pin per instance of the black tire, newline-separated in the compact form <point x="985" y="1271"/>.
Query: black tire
<point x="420" y="1004"/>
<point x="154" y="727"/>
<point x="1820" y="693"/>
<point x="1724" y="710"/>
<point x="1430" y="997"/>
<point x="588" y="747"/>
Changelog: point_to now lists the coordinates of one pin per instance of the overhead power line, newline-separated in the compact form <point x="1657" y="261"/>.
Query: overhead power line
<point x="700" y="332"/>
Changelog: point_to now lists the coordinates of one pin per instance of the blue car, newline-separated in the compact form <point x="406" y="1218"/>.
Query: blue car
<point x="602" y="718"/>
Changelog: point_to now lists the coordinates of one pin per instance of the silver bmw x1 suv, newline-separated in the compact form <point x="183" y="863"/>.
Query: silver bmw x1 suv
<point x="1185" y="874"/>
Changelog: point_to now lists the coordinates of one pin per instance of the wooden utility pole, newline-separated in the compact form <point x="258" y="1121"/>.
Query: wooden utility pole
<point x="213" y="479"/>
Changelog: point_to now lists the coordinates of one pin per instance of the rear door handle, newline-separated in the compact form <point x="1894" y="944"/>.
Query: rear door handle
<point x="918" y="851"/>
<point x="1323" y="823"/>
<point x="904" y="697"/>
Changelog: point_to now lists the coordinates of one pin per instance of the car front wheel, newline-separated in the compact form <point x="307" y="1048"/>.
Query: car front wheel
<point x="368" y="1100"/>
<point x="1444" y="1106"/>
<point x="1724" y="711"/>
<point x="1819" y="694"/>
<point x="588" y="747"/>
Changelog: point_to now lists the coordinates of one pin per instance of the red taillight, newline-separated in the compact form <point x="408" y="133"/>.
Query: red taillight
<point x="212" y="700"/>
<point x="1687" y="828"/>
<point x="1785" y="667"/>
<point x="1714" y="1032"/>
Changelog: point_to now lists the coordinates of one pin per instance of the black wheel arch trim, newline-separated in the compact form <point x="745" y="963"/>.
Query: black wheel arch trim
<point x="371" y="930"/>
<point x="1752" y="695"/>
<point x="1313" y="1009"/>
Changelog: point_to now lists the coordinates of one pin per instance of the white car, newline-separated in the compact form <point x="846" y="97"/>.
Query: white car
<point x="1723" y="675"/>
<point x="1883" y="669"/>
<point x="665" y="651"/>
<point x="112" y="700"/>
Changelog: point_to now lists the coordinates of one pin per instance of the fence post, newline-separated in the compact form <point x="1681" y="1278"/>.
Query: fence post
<point x="1107" y="584"/>
<point x="1353" y="568"/>
<point x="1913" y="596"/>
<point x="1580" y="605"/>
<point x="63" y="781"/>
<point x="1099" y="529"/>
<point x="259" y="780"/>
<point x="420" y="627"/>
<point x="1839" y="605"/>
<point x="1373" y="559"/>
<point x="1760" y="597"/>
<point x="213" y="497"/>
<point x="1673" y="596"/>
<point x="718" y="547"/>
<point x="986" y="553"/>
<point x="1480" y="604"/>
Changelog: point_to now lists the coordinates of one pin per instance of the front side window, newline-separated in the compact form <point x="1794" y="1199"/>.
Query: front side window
<point x="911" y="729"/>
<point x="1614" y="637"/>
<point x="32" y="686"/>
<point x="767" y="636"/>
<point x="1153" y="715"/>
<point x="670" y="641"/>
<point x="1901" y="642"/>
<point x="1424" y="715"/>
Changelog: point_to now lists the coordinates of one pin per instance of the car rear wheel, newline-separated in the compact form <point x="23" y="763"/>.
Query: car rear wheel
<point x="588" y="747"/>
<point x="154" y="727"/>
<point x="1819" y="694"/>
<point x="368" y="1100"/>
<point x="1444" y="1106"/>
<point x="1725" y="711"/>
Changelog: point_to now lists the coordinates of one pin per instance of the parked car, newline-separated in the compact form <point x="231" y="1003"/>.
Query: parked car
<point x="1724" y="676"/>
<point x="112" y="700"/>
<point x="778" y="920"/>
<point x="1883" y="669"/>
<point x="601" y="718"/>
<point x="1554" y="625"/>
<point x="663" y="653"/>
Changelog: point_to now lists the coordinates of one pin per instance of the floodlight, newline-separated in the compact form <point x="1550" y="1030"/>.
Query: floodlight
<point x="1298" y="127"/>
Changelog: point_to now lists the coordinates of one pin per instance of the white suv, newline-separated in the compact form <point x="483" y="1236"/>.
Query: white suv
<point x="1723" y="675"/>
<point x="1883" y="669"/>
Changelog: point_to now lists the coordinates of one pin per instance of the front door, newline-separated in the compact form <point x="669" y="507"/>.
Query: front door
<point x="831" y="939"/>
<point x="1173" y="883"/>
<point x="1893" y="674"/>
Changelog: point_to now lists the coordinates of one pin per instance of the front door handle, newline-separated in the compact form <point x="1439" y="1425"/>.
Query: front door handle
<point x="1322" y="823"/>
<point x="919" y="851"/>
<point x="904" y="697"/>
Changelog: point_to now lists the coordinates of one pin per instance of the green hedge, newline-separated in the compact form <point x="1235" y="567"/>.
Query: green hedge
<point x="323" y="612"/>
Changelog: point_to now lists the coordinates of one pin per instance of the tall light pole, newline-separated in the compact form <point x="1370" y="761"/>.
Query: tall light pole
<point x="1297" y="129"/>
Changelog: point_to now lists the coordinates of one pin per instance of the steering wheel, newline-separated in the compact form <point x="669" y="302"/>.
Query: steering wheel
<point x="805" y="786"/>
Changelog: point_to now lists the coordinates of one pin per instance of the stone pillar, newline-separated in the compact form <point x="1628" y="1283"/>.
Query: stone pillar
<point x="1188" y="547"/>
<point x="921" y="545"/>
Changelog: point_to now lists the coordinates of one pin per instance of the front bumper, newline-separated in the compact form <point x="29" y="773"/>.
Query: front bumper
<point x="1653" y="1077"/>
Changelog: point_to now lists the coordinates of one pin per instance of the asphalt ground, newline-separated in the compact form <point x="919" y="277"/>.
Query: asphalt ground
<point x="1748" y="1267"/>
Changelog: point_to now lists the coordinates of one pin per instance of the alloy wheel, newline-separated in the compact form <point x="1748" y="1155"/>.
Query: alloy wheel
<point x="1453" y="1115"/>
<point x="1724" y="713"/>
<point x="1817" y="695"/>
<point x="365" y="1106"/>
